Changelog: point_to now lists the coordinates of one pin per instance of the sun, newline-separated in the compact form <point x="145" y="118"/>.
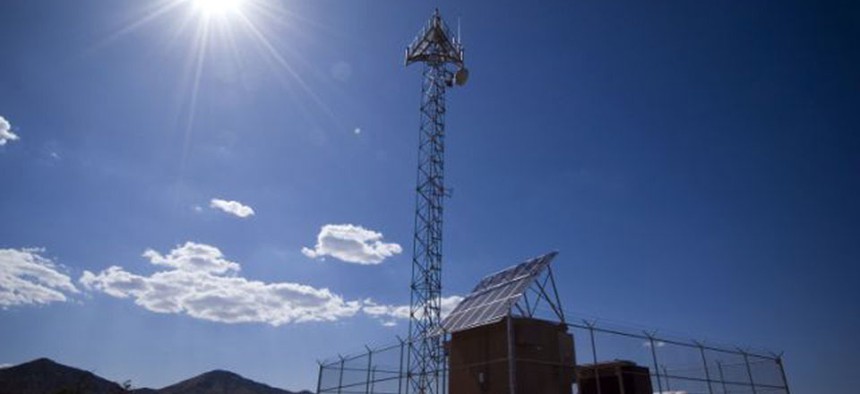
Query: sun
<point x="218" y="7"/>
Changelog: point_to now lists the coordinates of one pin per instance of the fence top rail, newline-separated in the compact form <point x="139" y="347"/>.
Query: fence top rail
<point x="596" y="327"/>
<point x="652" y="336"/>
<point x="354" y="356"/>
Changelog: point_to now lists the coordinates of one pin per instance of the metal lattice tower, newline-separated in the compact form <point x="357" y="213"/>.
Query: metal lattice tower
<point x="442" y="56"/>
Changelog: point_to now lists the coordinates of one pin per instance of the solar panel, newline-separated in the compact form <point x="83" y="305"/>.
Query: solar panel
<point x="490" y="301"/>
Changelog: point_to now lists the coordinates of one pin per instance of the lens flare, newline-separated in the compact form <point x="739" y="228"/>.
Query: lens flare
<point x="218" y="7"/>
<point x="227" y="32"/>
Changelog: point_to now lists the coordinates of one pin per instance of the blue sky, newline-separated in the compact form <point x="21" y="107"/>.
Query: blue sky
<point x="695" y="164"/>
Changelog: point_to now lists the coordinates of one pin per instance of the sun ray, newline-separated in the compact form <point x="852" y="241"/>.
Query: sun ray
<point x="207" y="29"/>
<point x="280" y="60"/>
<point x="201" y="43"/>
<point x="160" y="8"/>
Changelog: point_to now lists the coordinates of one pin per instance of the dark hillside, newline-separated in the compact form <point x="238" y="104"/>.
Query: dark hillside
<point x="44" y="376"/>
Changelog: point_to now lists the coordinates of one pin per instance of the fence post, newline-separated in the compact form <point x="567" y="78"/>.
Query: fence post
<point x="340" y="378"/>
<point x="782" y="372"/>
<point x="705" y="363"/>
<point x="594" y="354"/>
<point x="319" y="377"/>
<point x="369" y="366"/>
<point x="654" y="356"/>
<point x="722" y="377"/>
<point x="512" y="362"/>
<point x="749" y="370"/>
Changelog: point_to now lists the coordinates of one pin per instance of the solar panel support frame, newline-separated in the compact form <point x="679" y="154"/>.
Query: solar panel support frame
<point x="545" y="290"/>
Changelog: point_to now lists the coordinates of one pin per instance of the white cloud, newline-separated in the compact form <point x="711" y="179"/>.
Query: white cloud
<point x="388" y="314"/>
<point x="232" y="207"/>
<point x="193" y="257"/>
<point x="26" y="278"/>
<point x="6" y="133"/>
<point x="201" y="283"/>
<point x="352" y="244"/>
<point x="385" y="311"/>
<point x="656" y="344"/>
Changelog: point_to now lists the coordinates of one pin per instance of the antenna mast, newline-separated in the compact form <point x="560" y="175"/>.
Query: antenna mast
<point x="440" y="52"/>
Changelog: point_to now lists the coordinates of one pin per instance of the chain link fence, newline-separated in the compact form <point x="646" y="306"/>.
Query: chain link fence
<point x="674" y="366"/>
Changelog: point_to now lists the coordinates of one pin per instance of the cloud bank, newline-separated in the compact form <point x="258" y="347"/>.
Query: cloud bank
<point x="200" y="282"/>
<point x="389" y="314"/>
<point x="28" y="278"/>
<point x="197" y="280"/>
<point x="352" y="244"/>
<point x="234" y="208"/>
<point x="6" y="133"/>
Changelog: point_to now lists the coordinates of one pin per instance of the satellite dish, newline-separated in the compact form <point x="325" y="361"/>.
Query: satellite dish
<point x="461" y="76"/>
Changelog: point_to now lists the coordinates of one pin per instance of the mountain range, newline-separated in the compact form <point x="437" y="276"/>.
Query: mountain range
<point x="45" y="376"/>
